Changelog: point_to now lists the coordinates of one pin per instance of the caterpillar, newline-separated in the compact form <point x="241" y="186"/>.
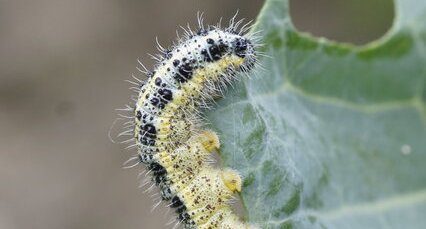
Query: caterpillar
<point x="167" y="124"/>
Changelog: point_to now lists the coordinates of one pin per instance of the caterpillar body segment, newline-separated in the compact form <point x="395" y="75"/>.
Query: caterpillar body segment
<point x="168" y="123"/>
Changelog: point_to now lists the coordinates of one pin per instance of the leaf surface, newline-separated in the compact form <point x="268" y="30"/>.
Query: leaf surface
<point x="331" y="135"/>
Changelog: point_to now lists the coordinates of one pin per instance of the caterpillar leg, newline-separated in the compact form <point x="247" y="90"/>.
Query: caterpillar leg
<point x="210" y="140"/>
<point x="231" y="179"/>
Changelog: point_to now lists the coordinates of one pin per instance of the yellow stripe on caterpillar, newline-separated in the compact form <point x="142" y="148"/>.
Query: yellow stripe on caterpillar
<point x="167" y="124"/>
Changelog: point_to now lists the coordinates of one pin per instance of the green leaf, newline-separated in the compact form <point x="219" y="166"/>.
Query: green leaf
<point x="330" y="135"/>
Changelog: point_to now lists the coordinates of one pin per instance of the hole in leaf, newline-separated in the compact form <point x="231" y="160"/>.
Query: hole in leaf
<point x="352" y="21"/>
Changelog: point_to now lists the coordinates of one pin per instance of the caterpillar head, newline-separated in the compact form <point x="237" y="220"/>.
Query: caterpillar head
<point x="243" y="48"/>
<point x="240" y="48"/>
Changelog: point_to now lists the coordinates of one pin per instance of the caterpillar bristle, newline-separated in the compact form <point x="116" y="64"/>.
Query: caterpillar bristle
<point x="166" y="121"/>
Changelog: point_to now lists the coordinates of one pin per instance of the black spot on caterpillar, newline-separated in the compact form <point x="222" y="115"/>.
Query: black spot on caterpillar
<point x="166" y="125"/>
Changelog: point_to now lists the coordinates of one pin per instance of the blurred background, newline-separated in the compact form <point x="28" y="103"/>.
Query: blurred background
<point x="62" y="71"/>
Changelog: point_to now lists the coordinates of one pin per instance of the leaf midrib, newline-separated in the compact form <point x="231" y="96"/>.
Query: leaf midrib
<point x="371" y="108"/>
